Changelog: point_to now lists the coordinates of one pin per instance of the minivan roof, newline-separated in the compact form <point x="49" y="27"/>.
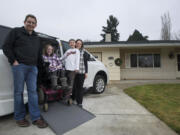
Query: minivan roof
<point x="4" y="30"/>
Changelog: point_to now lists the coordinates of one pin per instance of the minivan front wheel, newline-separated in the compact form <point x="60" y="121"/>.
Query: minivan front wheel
<point x="99" y="84"/>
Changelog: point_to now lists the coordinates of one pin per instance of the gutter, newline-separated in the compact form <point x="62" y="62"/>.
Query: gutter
<point x="134" y="45"/>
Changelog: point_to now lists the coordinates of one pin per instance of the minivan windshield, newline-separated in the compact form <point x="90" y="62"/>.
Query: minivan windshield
<point x="65" y="46"/>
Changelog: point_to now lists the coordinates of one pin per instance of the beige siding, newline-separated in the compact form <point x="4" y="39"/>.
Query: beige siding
<point x="114" y="71"/>
<point x="166" y="71"/>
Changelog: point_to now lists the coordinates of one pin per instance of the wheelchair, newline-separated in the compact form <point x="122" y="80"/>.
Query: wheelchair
<point x="47" y="90"/>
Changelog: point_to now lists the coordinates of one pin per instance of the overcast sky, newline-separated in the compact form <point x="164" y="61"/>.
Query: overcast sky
<point x="84" y="18"/>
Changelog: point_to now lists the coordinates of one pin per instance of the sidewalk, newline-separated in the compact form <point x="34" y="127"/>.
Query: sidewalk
<point x="118" y="114"/>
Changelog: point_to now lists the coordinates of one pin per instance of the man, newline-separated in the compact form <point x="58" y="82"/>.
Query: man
<point x="22" y="47"/>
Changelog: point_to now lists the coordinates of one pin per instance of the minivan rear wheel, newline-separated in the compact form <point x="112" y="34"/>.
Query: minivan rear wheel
<point x="99" y="84"/>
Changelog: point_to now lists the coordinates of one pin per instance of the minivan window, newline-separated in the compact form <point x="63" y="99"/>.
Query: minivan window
<point x="65" y="46"/>
<point x="3" y="34"/>
<point x="91" y="59"/>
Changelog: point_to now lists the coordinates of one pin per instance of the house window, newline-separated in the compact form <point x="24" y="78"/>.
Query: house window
<point x="157" y="62"/>
<point x="145" y="60"/>
<point x="133" y="60"/>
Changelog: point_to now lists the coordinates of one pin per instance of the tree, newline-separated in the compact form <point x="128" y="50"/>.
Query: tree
<point x="137" y="36"/>
<point x="111" y="28"/>
<point x="166" y="27"/>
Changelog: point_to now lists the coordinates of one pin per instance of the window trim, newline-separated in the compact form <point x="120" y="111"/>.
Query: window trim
<point x="138" y="60"/>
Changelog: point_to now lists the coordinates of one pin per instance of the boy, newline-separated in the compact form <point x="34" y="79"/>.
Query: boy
<point x="71" y="65"/>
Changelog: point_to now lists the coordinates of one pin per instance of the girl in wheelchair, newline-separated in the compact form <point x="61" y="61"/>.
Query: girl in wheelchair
<point x="54" y="65"/>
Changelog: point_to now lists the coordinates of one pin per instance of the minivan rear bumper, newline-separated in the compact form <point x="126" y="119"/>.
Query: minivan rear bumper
<point x="7" y="106"/>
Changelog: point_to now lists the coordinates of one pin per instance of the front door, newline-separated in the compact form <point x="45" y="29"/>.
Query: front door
<point x="178" y="66"/>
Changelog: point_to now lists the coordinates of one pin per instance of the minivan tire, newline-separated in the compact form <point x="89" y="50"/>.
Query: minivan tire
<point x="99" y="84"/>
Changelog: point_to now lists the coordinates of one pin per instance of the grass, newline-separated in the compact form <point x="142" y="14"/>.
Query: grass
<point x="163" y="100"/>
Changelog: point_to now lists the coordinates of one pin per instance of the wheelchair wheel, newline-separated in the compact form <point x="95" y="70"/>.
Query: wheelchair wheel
<point x="69" y="102"/>
<point x="45" y="107"/>
<point x="41" y="96"/>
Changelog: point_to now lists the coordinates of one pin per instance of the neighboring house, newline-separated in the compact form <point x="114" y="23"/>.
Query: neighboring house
<point x="140" y="60"/>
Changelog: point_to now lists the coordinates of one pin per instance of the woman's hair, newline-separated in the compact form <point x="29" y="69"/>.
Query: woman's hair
<point x="45" y="49"/>
<point x="82" y="46"/>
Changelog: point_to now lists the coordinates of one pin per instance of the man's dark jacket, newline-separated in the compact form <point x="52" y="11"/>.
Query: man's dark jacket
<point x="21" y="46"/>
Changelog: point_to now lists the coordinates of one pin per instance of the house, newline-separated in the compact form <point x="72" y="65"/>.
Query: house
<point x="140" y="59"/>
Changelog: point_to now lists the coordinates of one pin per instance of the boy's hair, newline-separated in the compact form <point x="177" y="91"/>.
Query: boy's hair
<point x="82" y="46"/>
<point x="45" y="50"/>
<point x="71" y="40"/>
<point x="30" y="15"/>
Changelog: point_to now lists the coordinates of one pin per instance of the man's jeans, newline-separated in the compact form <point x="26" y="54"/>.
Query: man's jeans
<point x="21" y="74"/>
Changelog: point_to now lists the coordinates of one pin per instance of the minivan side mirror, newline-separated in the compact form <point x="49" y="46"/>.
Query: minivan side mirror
<point x="91" y="58"/>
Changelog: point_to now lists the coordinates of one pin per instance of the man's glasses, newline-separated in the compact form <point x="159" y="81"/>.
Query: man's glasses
<point x="29" y="22"/>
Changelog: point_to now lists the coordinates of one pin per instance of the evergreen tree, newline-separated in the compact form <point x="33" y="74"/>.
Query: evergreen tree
<point x="137" y="36"/>
<point x="111" y="28"/>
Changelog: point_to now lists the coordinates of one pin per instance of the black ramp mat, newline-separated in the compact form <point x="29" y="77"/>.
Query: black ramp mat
<point x="62" y="118"/>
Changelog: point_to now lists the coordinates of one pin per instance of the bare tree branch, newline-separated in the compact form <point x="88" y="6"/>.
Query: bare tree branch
<point x="177" y="36"/>
<point x="166" y="27"/>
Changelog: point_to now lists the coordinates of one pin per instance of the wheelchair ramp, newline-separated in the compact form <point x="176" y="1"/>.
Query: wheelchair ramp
<point x="62" y="118"/>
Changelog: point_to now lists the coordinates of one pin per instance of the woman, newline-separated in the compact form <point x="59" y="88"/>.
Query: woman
<point x="77" y="93"/>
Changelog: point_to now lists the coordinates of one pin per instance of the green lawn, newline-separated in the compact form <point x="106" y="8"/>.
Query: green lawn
<point x="163" y="100"/>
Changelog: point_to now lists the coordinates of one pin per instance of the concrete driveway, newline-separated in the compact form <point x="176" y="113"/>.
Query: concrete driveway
<point x="116" y="114"/>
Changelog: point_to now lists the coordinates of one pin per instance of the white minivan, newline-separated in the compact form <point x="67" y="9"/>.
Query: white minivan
<point x="97" y="73"/>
